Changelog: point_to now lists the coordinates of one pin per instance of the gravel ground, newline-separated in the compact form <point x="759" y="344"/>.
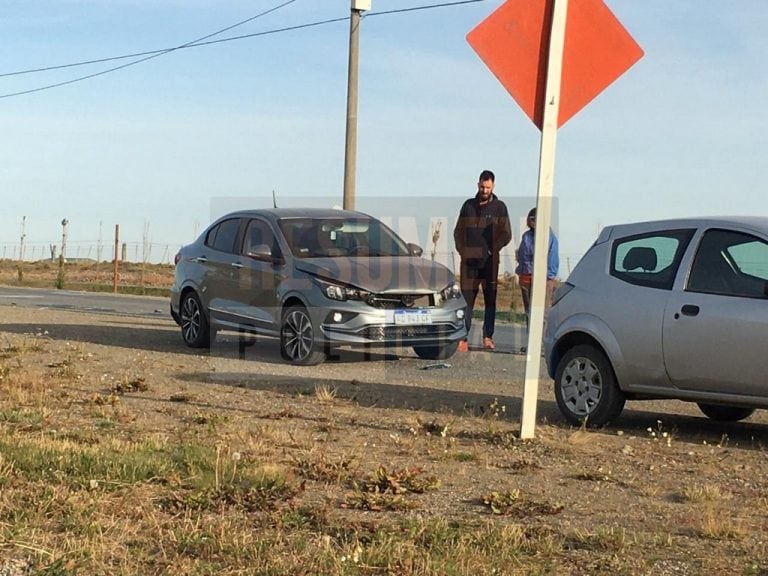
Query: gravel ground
<point x="460" y="422"/>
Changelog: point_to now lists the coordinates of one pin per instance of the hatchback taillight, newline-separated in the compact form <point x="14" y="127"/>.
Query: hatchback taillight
<point x="176" y="258"/>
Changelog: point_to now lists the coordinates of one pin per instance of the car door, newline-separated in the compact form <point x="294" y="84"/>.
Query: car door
<point x="715" y="329"/>
<point x="633" y="301"/>
<point x="218" y="261"/>
<point x="256" y="301"/>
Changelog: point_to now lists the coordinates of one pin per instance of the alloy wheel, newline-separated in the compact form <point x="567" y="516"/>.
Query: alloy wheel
<point x="190" y="319"/>
<point x="297" y="335"/>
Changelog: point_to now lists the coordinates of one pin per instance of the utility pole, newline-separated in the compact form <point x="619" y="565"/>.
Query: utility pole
<point x="350" y="146"/>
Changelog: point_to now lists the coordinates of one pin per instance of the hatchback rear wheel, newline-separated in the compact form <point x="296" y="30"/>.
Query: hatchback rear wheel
<point x="585" y="387"/>
<point x="298" y="343"/>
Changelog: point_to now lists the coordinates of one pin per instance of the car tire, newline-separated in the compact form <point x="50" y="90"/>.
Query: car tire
<point x="725" y="413"/>
<point x="193" y="319"/>
<point x="440" y="352"/>
<point x="586" y="389"/>
<point x="298" y="344"/>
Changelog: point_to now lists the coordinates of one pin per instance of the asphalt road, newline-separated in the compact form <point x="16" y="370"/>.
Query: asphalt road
<point x="42" y="298"/>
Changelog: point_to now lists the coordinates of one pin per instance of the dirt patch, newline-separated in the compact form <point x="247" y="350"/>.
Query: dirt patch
<point x="372" y="444"/>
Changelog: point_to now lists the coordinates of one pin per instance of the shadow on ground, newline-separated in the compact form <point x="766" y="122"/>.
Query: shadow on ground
<point x="165" y="337"/>
<point x="679" y="419"/>
<point x="378" y="394"/>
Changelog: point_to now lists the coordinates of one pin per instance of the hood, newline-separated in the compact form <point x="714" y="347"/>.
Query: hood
<point x="381" y="275"/>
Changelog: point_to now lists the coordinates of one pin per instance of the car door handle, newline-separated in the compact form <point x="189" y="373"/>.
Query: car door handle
<point x="690" y="310"/>
<point x="237" y="265"/>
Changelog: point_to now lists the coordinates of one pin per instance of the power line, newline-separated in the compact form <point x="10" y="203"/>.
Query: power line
<point x="200" y="42"/>
<point x="151" y="56"/>
<point x="429" y="7"/>
<point x="193" y="44"/>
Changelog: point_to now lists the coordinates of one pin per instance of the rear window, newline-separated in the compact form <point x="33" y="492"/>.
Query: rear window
<point x="222" y="236"/>
<point x="650" y="259"/>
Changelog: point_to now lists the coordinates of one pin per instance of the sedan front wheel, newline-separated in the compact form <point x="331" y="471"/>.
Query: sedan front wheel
<point x="298" y="343"/>
<point x="585" y="387"/>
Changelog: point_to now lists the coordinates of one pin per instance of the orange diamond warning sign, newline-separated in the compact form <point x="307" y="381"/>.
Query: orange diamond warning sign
<point x="514" y="43"/>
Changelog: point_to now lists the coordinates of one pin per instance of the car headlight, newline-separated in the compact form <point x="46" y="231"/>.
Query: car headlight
<point x="342" y="292"/>
<point x="451" y="291"/>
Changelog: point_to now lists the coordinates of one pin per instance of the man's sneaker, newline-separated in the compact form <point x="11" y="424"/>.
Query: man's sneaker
<point x="488" y="343"/>
<point x="463" y="346"/>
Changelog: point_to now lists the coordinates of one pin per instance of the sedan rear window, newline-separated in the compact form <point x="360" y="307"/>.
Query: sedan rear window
<point x="222" y="236"/>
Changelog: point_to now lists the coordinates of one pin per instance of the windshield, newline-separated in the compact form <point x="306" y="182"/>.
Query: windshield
<point x="335" y="237"/>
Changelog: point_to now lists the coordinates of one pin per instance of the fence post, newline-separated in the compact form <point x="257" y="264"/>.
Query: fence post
<point x="115" y="271"/>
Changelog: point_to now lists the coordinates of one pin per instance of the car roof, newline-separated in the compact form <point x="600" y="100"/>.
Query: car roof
<point x="755" y="223"/>
<point x="277" y="213"/>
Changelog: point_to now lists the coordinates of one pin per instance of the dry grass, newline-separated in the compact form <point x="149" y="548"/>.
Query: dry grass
<point x="127" y="467"/>
<point x="132" y="278"/>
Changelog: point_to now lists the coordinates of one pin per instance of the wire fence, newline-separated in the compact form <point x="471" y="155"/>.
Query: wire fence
<point x="160" y="253"/>
<point x="149" y="252"/>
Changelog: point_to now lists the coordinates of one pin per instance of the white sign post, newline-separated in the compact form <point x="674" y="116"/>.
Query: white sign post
<point x="543" y="217"/>
<point x="600" y="50"/>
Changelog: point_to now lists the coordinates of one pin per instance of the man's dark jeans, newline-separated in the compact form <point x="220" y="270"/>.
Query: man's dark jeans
<point x="475" y="274"/>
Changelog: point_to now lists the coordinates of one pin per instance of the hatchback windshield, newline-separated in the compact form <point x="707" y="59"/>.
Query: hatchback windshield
<point x="333" y="237"/>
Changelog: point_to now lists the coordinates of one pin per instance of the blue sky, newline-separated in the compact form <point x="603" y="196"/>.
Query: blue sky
<point x="157" y="146"/>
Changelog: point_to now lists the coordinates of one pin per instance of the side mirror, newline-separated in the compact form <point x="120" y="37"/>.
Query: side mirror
<point x="414" y="249"/>
<point x="261" y="252"/>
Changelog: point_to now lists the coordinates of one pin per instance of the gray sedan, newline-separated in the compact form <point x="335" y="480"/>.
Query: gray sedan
<point x="667" y="309"/>
<point x="315" y="279"/>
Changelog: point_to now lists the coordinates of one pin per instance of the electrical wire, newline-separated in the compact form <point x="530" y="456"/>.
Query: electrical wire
<point x="150" y="54"/>
<point x="197" y="44"/>
<point x="415" y="8"/>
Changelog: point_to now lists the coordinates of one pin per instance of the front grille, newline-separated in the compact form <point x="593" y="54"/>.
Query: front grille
<point x="381" y="333"/>
<point x="392" y="301"/>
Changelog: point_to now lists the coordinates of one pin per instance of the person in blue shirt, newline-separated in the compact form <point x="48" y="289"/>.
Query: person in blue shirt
<point x="524" y="268"/>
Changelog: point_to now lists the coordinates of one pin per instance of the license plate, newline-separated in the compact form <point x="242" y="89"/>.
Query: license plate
<point x="413" y="317"/>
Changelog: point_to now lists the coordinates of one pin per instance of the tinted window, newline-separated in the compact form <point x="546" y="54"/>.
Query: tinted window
<point x="333" y="237"/>
<point x="222" y="236"/>
<point x="730" y="263"/>
<point x="650" y="259"/>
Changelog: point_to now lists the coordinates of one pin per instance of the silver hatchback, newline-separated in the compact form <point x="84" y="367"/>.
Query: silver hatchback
<point x="315" y="279"/>
<point x="666" y="309"/>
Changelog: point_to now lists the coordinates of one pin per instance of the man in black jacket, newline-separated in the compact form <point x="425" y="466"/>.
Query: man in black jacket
<point x="482" y="230"/>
